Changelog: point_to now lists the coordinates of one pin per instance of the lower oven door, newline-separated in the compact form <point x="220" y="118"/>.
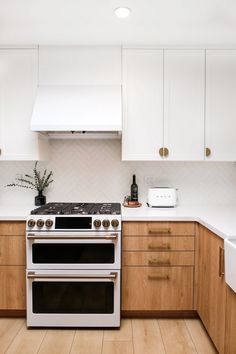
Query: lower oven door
<point x="68" y="250"/>
<point x="73" y="298"/>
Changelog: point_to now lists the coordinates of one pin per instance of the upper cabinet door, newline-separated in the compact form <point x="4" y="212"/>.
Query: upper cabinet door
<point x="79" y="65"/>
<point x="220" y="105"/>
<point x="18" y="83"/>
<point x="184" y="83"/>
<point x="142" y="104"/>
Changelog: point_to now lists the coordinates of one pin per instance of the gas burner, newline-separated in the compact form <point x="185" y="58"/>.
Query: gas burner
<point x="78" y="209"/>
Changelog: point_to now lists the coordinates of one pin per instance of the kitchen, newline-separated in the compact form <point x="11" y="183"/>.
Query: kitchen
<point x="97" y="94"/>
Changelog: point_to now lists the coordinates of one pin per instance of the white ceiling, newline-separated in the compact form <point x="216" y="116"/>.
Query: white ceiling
<point x="152" y="22"/>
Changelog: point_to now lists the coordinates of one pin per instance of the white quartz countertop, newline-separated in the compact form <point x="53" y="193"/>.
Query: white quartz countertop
<point x="15" y="212"/>
<point x="219" y="219"/>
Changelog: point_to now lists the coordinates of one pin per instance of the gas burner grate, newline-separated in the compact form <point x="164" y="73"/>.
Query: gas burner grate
<point x="78" y="209"/>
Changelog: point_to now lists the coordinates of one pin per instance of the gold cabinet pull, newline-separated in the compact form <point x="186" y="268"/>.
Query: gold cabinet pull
<point x="164" y="231"/>
<point x="221" y="262"/>
<point x="166" y="152"/>
<point x="163" y="152"/>
<point x="164" y="247"/>
<point x="158" y="277"/>
<point x="0" y="151"/>
<point x="208" y="152"/>
<point x="158" y="263"/>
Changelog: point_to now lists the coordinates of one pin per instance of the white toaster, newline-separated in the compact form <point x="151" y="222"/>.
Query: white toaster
<point x="162" y="197"/>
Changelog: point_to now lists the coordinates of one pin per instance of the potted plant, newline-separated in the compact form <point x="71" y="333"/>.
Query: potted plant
<point x="39" y="182"/>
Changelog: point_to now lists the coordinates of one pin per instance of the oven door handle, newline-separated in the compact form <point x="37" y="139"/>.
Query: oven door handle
<point x="71" y="237"/>
<point x="112" y="275"/>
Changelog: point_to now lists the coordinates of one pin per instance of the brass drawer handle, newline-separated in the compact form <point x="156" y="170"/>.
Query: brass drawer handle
<point x="159" y="263"/>
<point x="164" y="247"/>
<point x="164" y="231"/>
<point x="163" y="152"/>
<point x="0" y="151"/>
<point x="221" y="262"/>
<point x="158" y="277"/>
<point x="208" y="152"/>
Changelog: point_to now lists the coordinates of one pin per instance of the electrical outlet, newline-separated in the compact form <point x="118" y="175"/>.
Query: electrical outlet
<point x="148" y="181"/>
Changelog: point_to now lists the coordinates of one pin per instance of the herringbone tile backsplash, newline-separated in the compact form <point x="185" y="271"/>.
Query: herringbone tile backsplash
<point x="92" y="170"/>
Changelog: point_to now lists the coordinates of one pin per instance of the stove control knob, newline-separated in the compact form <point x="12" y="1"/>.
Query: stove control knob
<point x="40" y="223"/>
<point x="97" y="223"/>
<point x="106" y="223"/>
<point x="48" y="223"/>
<point x="114" y="223"/>
<point x="31" y="223"/>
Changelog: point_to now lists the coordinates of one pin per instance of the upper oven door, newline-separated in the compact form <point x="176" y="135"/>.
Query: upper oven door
<point x="68" y="250"/>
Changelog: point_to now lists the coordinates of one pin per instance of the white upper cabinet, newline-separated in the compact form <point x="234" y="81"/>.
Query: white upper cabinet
<point x="142" y="135"/>
<point x="221" y="105"/>
<point x="184" y="83"/>
<point x="79" y="65"/>
<point x="18" y="83"/>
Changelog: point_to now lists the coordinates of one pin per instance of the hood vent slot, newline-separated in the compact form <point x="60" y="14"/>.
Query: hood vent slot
<point x="82" y="134"/>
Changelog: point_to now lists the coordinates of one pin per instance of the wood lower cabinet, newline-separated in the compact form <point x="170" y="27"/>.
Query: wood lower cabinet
<point x="157" y="266"/>
<point x="230" y="323"/>
<point x="157" y="288"/>
<point x="158" y="228"/>
<point x="153" y="259"/>
<point x="12" y="292"/>
<point x="12" y="250"/>
<point x="12" y="267"/>
<point x="210" y="286"/>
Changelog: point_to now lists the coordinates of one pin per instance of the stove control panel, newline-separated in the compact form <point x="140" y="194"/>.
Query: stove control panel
<point x="72" y="223"/>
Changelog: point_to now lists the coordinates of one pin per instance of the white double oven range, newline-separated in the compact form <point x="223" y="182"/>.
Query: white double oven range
<point x="74" y="265"/>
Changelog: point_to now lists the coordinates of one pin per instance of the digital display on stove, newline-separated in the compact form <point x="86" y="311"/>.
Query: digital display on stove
<point x="72" y="223"/>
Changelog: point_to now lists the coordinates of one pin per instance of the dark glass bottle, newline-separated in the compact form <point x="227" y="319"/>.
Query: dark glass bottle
<point x="134" y="190"/>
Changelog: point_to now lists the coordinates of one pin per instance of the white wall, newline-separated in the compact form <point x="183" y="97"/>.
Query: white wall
<point x="91" y="170"/>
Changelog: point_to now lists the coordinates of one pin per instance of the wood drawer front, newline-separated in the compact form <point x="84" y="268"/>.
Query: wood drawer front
<point x="164" y="243"/>
<point x="157" y="288"/>
<point x="12" y="228"/>
<point x="153" y="228"/>
<point x="12" y="250"/>
<point x="12" y="290"/>
<point x="185" y="258"/>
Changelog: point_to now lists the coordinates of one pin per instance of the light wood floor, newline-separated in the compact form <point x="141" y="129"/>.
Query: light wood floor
<point x="136" y="336"/>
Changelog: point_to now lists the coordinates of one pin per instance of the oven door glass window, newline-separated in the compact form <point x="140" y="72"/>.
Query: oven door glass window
<point x="73" y="253"/>
<point x="62" y="297"/>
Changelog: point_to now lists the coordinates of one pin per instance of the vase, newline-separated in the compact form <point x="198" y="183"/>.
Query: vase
<point x="40" y="199"/>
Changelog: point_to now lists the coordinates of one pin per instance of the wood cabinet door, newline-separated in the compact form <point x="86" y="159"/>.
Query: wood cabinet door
<point x="142" y="135"/>
<point x="157" y="288"/>
<point x="210" y="287"/>
<point x="13" y="288"/>
<point x="230" y="329"/>
<point x="184" y="98"/>
<point x="221" y="104"/>
<point x="18" y="85"/>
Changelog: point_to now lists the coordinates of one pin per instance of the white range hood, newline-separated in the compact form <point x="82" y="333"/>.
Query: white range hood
<point x="78" y="111"/>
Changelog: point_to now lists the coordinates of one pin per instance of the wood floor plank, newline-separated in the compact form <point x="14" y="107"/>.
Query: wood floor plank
<point x="200" y="337"/>
<point x="117" y="347"/>
<point x="87" y="342"/>
<point x="57" y="341"/>
<point x="176" y="337"/>
<point x="9" y="327"/>
<point x="27" y="341"/>
<point x="147" y="337"/>
<point x="124" y="333"/>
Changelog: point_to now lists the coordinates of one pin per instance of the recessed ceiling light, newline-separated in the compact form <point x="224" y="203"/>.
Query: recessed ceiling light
<point x="122" y="12"/>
